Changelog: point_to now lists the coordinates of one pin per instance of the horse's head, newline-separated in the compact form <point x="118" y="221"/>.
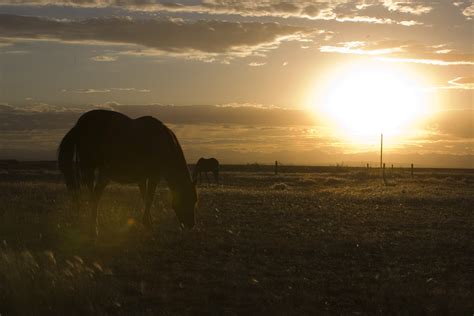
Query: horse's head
<point x="184" y="203"/>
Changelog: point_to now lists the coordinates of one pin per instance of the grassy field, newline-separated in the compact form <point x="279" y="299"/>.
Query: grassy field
<point x="331" y="240"/>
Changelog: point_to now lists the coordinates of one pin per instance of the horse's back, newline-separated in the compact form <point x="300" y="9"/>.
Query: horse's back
<point x="207" y="163"/>
<point x="101" y="118"/>
<point x="127" y="149"/>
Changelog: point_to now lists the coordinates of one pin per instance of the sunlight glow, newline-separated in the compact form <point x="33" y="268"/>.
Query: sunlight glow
<point x="363" y="101"/>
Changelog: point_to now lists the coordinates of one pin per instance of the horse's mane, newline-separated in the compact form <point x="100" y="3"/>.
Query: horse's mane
<point x="174" y="143"/>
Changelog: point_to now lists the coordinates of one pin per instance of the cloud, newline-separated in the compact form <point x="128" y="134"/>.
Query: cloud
<point x="246" y="114"/>
<point x="108" y="90"/>
<point x="12" y="111"/>
<point x="238" y="133"/>
<point x="469" y="11"/>
<point x="171" y="37"/>
<point x="26" y="116"/>
<point x="429" y="59"/>
<point x="256" y="64"/>
<point x="14" y="52"/>
<point x="455" y="123"/>
<point x="463" y="83"/>
<point x="374" y="12"/>
<point x="87" y="90"/>
<point x="104" y="58"/>
<point x="416" y="7"/>
<point x="342" y="11"/>
<point x="131" y="90"/>
<point x="109" y="105"/>
<point x="362" y="48"/>
<point x="402" y="51"/>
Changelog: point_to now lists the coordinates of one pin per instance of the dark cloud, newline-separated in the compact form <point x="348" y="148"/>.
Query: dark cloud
<point x="171" y="36"/>
<point x="44" y="116"/>
<point x="354" y="10"/>
<point x="245" y="115"/>
<point x="238" y="134"/>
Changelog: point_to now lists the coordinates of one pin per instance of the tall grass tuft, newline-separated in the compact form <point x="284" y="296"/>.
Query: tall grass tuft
<point x="32" y="284"/>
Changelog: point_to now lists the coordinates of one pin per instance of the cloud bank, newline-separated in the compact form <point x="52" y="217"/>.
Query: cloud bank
<point x="342" y="11"/>
<point x="239" y="134"/>
<point x="174" y="37"/>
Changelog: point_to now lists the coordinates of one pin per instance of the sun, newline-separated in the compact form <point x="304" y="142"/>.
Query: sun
<point x="363" y="101"/>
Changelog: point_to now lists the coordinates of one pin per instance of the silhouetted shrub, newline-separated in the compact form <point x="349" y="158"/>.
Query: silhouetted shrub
<point x="280" y="186"/>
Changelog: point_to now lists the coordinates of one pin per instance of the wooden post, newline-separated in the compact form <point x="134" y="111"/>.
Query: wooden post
<point x="392" y="167"/>
<point x="412" y="170"/>
<point x="367" y="166"/>
<point x="276" y="167"/>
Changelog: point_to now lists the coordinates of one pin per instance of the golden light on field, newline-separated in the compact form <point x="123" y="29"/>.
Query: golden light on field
<point x="361" y="101"/>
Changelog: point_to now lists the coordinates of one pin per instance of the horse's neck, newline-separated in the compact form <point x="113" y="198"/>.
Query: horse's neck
<point x="178" y="181"/>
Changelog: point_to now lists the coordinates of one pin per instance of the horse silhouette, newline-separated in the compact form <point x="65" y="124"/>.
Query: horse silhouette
<point x="205" y="165"/>
<point x="107" y="146"/>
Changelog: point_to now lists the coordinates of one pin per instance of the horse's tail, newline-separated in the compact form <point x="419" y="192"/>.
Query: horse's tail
<point x="67" y="157"/>
<point x="195" y="173"/>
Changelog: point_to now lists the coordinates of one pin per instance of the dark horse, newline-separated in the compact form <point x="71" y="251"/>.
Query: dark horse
<point x="205" y="165"/>
<point x="108" y="146"/>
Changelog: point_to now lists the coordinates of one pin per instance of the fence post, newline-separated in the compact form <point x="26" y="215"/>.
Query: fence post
<point x="412" y="170"/>
<point x="276" y="167"/>
<point x="367" y="166"/>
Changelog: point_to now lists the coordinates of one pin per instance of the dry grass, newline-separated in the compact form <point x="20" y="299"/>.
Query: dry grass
<point x="333" y="242"/>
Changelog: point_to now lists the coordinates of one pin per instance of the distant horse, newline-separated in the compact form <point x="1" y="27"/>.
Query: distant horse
<point x="118" y="148"/>
<point x="205" y="165"/>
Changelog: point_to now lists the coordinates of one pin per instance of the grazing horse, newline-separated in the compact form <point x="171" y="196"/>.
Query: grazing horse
<point x="107" y="146"/>
<point x="205" y="165"/>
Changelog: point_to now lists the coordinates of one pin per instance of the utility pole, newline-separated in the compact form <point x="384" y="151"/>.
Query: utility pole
<point x="381" y="149"/>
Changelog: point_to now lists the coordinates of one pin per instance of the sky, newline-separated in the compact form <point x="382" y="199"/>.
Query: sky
<point x="302" y="82"/>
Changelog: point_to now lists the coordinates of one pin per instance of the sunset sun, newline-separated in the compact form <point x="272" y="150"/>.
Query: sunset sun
<point x="364" y="101"/>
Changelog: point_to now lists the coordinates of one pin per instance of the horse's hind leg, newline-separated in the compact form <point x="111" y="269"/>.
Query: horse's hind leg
<point x="149" y="196"/>
<point x="87" y="179"/>
<point x="96" y="194"/>
<point x="142" y="187"/>
<point x="216" y="175"/>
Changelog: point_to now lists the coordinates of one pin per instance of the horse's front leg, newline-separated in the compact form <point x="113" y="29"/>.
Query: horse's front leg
<point x="216" y="175"/>
<point x="149" y="196"/>
<point x="96" y="194"/>
<point x="142" y="187"/>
